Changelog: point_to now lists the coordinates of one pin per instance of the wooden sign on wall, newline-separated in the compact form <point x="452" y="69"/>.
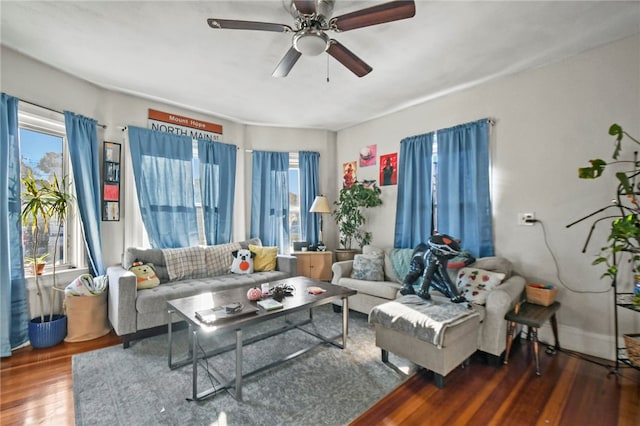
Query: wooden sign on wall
<point x="180" y="125"/>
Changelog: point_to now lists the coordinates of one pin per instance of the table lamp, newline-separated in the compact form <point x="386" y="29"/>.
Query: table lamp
<point x="320" y="205"/>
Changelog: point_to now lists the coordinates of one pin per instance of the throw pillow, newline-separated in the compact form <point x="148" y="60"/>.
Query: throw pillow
<point x="368" y="267"/>
<point x="242" y="261"/>
<point x="185" y="262"/>
<point x="145" y="275"/>
<point x="265" y="259"/>
<point x="475" y="284"/>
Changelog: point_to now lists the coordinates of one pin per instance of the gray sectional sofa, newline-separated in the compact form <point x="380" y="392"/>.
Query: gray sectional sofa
<point x="182" y="272"/>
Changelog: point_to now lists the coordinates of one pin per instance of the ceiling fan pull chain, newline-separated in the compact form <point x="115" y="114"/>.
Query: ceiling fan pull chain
<point x="327" y="68"/>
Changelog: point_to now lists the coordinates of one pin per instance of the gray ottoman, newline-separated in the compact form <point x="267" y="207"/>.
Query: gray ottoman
<point x="436" y="335"/>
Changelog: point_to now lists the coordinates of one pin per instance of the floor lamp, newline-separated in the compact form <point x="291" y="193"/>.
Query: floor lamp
<point x="321" y="206"/>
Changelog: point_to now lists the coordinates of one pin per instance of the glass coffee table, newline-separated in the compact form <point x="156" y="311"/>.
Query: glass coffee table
<point x="186" y="308"/>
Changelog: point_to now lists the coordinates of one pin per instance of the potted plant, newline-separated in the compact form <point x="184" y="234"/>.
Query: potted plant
<point x="349" y="216"/>
<point x="43" y="201"/>
<point x="624" y="236"/>
<point x="37" y="263"/>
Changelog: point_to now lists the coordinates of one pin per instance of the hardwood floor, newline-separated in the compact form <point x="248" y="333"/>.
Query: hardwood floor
<point x="36" y="385"/>
<point x="36" y="388"/>
<point x="570" y="391"/>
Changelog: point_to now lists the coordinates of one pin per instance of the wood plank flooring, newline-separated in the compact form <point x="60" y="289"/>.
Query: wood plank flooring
<point x="572" y="390"/>
<point x="36" y="388"/>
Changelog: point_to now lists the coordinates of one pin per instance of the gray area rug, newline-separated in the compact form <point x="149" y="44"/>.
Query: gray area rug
<point x="326" y="386"/>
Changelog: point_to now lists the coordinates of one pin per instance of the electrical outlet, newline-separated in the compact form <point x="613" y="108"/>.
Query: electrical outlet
<point x="526" y="219"/>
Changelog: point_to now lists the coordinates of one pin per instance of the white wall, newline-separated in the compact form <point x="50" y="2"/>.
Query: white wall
<point x="549" y="122"/>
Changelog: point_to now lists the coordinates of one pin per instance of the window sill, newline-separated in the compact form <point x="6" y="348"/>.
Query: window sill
<point x="63" y="277"/>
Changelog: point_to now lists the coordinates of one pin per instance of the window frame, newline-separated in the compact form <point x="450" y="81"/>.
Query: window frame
<point x="294" y="163"/>
<point x="42" y="120"/>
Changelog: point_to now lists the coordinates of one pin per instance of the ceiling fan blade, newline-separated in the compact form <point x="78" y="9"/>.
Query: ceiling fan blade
<point x="387" y="12"/>
<point x="286" y="63"/>
<point x="306" y="7"/>
<point x="348" y="59"/>
<point x="232" y="24"/>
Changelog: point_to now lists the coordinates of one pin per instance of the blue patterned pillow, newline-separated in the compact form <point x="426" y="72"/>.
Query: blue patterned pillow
<point x="368" y="267"/>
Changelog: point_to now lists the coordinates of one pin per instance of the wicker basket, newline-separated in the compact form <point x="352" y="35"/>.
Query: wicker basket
<point x="540" y="294"/>
<point x="632" y="341"/>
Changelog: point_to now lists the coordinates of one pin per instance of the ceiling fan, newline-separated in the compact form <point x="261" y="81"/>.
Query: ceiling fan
<point x="313" y="19"/>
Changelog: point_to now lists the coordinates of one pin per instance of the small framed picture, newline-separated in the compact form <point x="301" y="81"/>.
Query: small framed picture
<point x="111" y="211"/>
<point x="389" y="169"/>
<point x="349" y="174"/>
<point x="368" y="155"/>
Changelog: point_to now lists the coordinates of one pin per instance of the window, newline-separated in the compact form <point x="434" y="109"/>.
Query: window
<point x="43" y="152"/>
<point x="295" y="227"/>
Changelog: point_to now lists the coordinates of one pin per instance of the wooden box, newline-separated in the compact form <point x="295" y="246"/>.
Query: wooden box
<point x="541" y="294"/>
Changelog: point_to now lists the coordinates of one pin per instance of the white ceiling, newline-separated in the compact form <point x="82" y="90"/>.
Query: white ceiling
<point x="164" y="50"/>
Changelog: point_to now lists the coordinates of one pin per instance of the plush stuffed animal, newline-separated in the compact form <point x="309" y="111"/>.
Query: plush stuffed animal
<point x="242" y="261"/>
<point x="145" y="275"/>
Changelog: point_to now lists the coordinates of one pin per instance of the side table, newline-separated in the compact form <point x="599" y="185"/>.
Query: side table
<point x="315" y="264"/>
<point x="533" y="316"/>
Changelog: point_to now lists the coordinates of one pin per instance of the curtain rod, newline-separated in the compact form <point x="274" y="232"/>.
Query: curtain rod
<point x="55" y="110"/>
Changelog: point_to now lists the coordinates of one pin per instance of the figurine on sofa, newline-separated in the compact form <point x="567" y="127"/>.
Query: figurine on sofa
<point x="430" y="260"/>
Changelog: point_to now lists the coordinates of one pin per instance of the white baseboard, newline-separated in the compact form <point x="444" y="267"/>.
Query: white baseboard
<point x="575" y="339"/>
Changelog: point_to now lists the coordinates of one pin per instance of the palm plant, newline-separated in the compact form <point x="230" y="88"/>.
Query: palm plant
<point x="43" y="201"/>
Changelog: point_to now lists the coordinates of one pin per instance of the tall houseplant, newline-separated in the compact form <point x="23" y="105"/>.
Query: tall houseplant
<point x="624" y="236"/>
<point x="36" y="214"/>
<point x="349" y="213"/>
<point x="43" y="201"/>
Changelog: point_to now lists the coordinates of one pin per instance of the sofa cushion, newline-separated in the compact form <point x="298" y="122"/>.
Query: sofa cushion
<point x="155" y="299"/>
<point x="389" y="272"/>
<point x="368" y="267"/>
<point x="475" y="284"/>
<point x="495" y="264"/>
<point x="251" y="242"/>
<point x="383" y="289"/>
<point x="219" y="258"/>
<point x="185" y="262"/>
<point x="147" y="255"/>
<point x="400" y="262"/>
<point x="265" y="259"/>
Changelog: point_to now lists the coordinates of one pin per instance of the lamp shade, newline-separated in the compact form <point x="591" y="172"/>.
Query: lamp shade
<point x="320" y="205"/>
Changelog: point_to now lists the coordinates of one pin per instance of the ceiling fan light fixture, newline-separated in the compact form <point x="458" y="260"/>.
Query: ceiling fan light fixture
<point x="311" y="42"/>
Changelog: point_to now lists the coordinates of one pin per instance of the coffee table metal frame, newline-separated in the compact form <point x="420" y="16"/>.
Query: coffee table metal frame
<point x="185" y="309"/>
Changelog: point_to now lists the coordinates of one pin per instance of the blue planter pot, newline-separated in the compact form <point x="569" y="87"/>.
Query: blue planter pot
<point x="48" y="333"/>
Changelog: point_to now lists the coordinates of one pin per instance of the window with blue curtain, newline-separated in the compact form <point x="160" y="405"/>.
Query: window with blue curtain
<point x="309" y="188"/>
<point x="414" y="206"/>
<point x="270" y="198"/>
<point x="82" y="138"/>
<point x="464" y="202"/>
<point x="163" y="172"/>
<point x="217" y="181"/>
<point x="462" y="186"/>
<point x="14" y="311"/>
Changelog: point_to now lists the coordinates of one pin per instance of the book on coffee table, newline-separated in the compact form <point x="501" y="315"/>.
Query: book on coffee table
<point x="218" y="313"/>
<point x="270" y="304"/>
